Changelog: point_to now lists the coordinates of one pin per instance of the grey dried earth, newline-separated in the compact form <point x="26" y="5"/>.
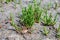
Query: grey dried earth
<point x="7" y="32"/>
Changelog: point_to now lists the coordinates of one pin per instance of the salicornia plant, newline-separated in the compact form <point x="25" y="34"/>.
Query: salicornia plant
<point x="13" y="24"/>
<point x="37" y="11"/>
<point x="58" y="32"/>
<point x="28" y="16"/>
<point x="49" y="20"/>
<point x="45" y="31"/>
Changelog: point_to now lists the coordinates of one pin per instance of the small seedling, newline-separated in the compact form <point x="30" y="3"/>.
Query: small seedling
<point x="13" y="24"/>
<point x="45" y="31"/>
<point x="48" y="6"/>
<point x="49" y="20"/>
<point x="37" y="11"/>
<point x="56" y="5"/>
<point x="28" y="16"/>
<point x="58" y="32"/>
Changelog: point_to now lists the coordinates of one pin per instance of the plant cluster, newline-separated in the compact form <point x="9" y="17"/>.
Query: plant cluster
<point x="37" y="11"/>
<point x="28" y="16"/>
<point x="49" y="20"/>
<point x="33" y="13"/>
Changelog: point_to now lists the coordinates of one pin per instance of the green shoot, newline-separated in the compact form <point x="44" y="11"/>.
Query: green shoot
<point x="48" y="20"/>
<point x="58" y="32"/>
<point x="56" y="5"/>
<point x="48" y="6"/>
<point x="13" y="24"/>
<point x="45" y="31"/>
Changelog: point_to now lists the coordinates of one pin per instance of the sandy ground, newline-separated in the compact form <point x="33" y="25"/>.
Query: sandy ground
<point x="6" y="34"/>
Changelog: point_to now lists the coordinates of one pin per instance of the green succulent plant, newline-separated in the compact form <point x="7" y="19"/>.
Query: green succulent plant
<point x="45" y="31"/>
<point x="28" y="16"/>
<point x="49" y="20"/>
<point x="58" y="32"/>
<point x="37" y="11"/>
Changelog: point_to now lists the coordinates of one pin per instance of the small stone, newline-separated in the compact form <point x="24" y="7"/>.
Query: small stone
<point x="24" y="31"/>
